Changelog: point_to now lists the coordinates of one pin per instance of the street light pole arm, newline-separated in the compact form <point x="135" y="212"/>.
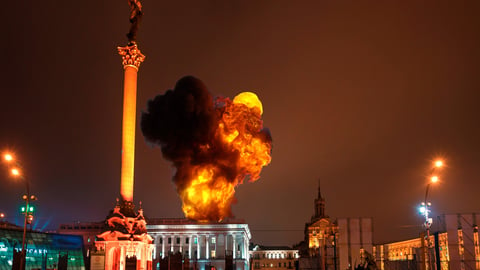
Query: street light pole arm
<point x="426" y="193"/>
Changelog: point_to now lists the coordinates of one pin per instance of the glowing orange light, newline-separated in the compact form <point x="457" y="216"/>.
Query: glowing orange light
<point x="8" y="157"/>
<point x="438" y="163"/>
<point x="434" y="179"/>
<point x="15" y="171"/>
<point x="128" y="132"/>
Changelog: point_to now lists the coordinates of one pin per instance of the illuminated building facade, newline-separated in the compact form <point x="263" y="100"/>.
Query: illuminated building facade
<point x="43" y="250"/>
<point x="223" y="245"/>
<point x="274" y="258"/>
<point x="335" y="243"/>
<point x="455" y="246"/>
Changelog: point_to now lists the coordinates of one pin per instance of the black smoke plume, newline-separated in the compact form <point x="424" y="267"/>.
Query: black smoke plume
<point x="183" y="123"/>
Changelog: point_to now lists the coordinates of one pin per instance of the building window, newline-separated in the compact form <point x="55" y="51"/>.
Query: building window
<point x="187" y="240"/>
<point x="178" y="240"/>
<point x="169" y="240"/>
<point x="212" y="254"/>
<point x="279" y="264"/>
<point x="195" y="240"/>
<point x="161" y="240"/>
<point x="213" y="240"/>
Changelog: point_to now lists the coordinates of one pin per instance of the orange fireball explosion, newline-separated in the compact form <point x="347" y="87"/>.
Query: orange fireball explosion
<point x="238" y="129"/>
<point x="213" y="145"/>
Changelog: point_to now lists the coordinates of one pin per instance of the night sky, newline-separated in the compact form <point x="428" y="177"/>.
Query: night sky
<point x="361" y="96"/>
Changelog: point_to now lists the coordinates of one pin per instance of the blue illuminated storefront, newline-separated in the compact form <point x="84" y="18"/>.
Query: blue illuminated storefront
<point x="43" y="249"/>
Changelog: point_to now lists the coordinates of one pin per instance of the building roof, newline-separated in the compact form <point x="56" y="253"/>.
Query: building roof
<point x="8" y="225"/>
<point x="271" y="248"/>
<point x="182" y="221"/>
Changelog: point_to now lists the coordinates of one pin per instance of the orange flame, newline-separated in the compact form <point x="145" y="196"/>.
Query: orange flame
<point x="210" y="192"/>
<point x="208" y="197"/>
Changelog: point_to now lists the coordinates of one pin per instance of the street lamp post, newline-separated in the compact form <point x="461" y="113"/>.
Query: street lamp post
<point x="15" y="171"/>
<point x="425" y="209"/>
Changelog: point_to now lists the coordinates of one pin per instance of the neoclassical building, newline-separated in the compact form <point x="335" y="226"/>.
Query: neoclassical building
<point x="202" y="244"/>
<point x="273" y="257"/>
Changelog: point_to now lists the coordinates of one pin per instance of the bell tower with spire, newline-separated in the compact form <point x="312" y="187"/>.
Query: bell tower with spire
<point x="318" y="232"/>
<point x="319" y="205"/>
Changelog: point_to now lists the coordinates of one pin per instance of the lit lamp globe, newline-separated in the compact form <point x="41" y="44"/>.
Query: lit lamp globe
<point x="8" y="157"/>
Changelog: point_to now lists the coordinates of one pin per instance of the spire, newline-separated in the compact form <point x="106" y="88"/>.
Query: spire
<point x="319" y="193"/>
<point x="319" y="205"/>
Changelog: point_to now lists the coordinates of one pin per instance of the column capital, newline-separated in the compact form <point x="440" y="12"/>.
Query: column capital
<point x="131" y="56"/>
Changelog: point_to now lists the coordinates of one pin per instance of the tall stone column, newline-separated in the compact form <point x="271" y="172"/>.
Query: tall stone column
<point x="207" y="247"/>
<point x="142" y="251"/>
<point x="131" y="60"/>
<point x="123" y="253"/>
<point x="163" y="247"/>
<point x="198" y="247"/>
<point x="234" y="249"/>
<point x="245" y="249"/>
<point x="180" y="248"/>
<point x="190" y="247"/>
<point x="226" y="244"/>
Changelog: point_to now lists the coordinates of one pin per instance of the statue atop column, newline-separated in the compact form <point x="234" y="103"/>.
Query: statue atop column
<point x="135" y="18"/>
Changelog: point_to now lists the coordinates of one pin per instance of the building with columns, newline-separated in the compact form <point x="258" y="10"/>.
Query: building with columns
<point x="203" y="244"/>
<point x="273" y="257"/>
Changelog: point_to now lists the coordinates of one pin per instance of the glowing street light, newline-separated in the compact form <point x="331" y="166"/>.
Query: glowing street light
<point x="16" y="172"/>
<point x="425" y="209"/>
<point x="8" y="157"/>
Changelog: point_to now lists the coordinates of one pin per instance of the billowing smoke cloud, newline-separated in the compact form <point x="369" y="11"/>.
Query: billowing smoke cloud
<point x="213" y="144"/>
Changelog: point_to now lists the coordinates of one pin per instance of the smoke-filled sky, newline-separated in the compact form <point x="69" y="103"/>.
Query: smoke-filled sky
<point x="360" y="96"/>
